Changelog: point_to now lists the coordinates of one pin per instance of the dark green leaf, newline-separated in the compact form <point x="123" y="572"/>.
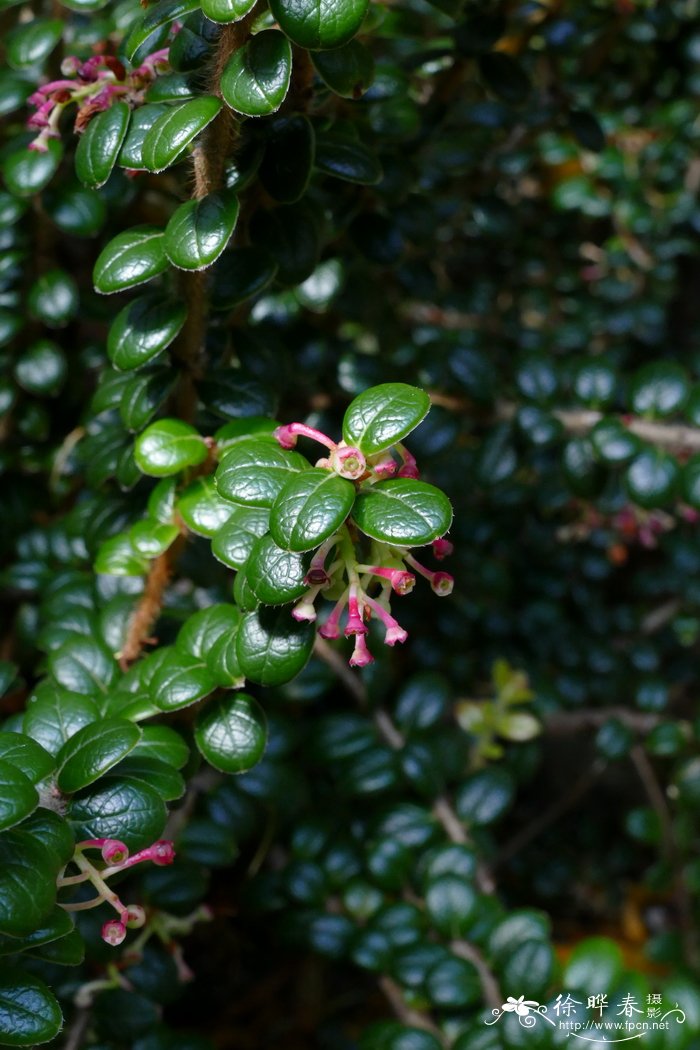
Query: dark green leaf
<point x="309" y="508"/>
<point x="167" y="447"/>
<point x="18" y="796"/>
<point x="199" y="230"/>
<point x="29" y="1011"/>
<point x="156" y="17"/>
<point x="403" y="512"/>
<point x="94" y="750"/>
<point x="30" y="43"/>
<point x="384" y="415"/>
<point x="181" y="679"/>
<point x="320" y="26"/>
<point x="347" y="158"/>
<point x="272" y="647"/>
<point x="276" y="576"/>
<point x="256" y="79"/>
<point x="254" y="471"/>
<point x="120" y="808"/>
<point x="27" y="755"/>
<point x="130" y="259"/>
<point x="348" y="70"/>
<point x="234" y="541"/>
<point x="172" y="133"/>
<point x="231" y="733"/>
<point x="289" y="156"/>
<point x="99" y="145"/>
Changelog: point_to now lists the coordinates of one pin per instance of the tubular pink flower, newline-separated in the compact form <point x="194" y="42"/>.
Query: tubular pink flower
<point x="441" y="582"/>
<point x="361" y="656"/>
<point x="114" y="851"/>
<point x="304" y="609"/>
<point x="113" y="932"/>
<point x="317" y="575"/>
<point x="409" y="467"/>
<point x="394" y="631"/>
<point x="355" y="624"/>
<point x="161" y="853"/>
<point x="348" y="462"/>
<point x="135" y="917"/>
<point x="386" y="467"/>
<point x="442" y="548"/>
<point x="288" y="433"/>
<point x="401" y="581"/>
<point x="331" y="628"/>
<point x="40" y="119"/>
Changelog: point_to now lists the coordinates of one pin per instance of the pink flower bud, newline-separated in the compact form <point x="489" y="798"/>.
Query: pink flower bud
<point x="286" y="436"/>
<point x="348" y="462"/>
<point x="70" y="66"/>
<point x="135" y="917"/>
<point x="442" y="583"/>
<point x="114" y="851"/>
<point x="442" y="548"/>
<point x="113" y="932"/>
<point x="409" y="470"/>
<point x="401" y="581"/>
<point x="162" y="852"/>
<point x="386" y="468"/>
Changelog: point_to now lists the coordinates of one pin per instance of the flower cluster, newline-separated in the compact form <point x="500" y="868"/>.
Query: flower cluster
<point x="116" y="858"/>
<point x="335" y="571"/>
<point x="92" y="86"/>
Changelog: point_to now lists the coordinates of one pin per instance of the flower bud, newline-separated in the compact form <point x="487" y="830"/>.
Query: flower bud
<point x="135" y="917"/>
<point x="348" y="462"/>
<point x="442" y="548"/>
<point x="162" y="852"/>
<point x="114" y="851"/>
<point x="442" y="583"/>
<point x="113" y="932"/>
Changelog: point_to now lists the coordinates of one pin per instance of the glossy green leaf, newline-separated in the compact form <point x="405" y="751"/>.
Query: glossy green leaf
<point x="272" y="647"/>
<point x="29" y="1011"/>
<point x="100" y="144"/>
<point x="204" y="628"/>
<point x="652" y="478"/>
<point x="94" y="750"/>
<point x="167" y="447"/>
<point x="199" y="230"/>
<point x="53" y="298"/>
<point x="240" y="274"/>
<point x="162" y="743"/>
<point x="310" y="507"/>
<point x="14" y="91"/>
<point x="118" y="557"/>
<point x="52" y="719"/>
<point x="347" y="158"/>
<point x="172" y="133"/>
<point x="152" y="538"/>
<point x="384" y="415"/>
<point x="27" y="883"/>
<point x="83" y="665"/>
<point x="485" y="796"/>
<point x="234" y="541"/>
<point x="254" y="471"/>
<point x="231" y="733"/>
<point x="290" y="234"/>
<point x="161" y="776"/>
<point x="118" y="808"/>
<point x="403" y="512"/>
<point x="30" y="43"/>
<point x="226" y="10"/>
<point x="289" y="156"/>
<point x="27" y="172"/>
<point x="320" y="26"/>
<point x="256" y="79"/>
<point x="144" y="393"/>
<point x="27" y="755"/>
<point x="202" y="509"/>
<point x="58" y="924"/>
<point x="18" y="796"/>
<point x="156" y="17"/>
<point x="130" y="259"/>
<point x="181" y="679"/>
<point x="142" y="120"/>
<point x="276" y="576"/>
<point x="348" y="70"/>
<point x="452" y="905"/>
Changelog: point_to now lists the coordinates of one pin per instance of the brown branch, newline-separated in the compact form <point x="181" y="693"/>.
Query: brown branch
<point x="75" y="1035"/>
<point x="148" y="609"/>
<point x="489" y="985"/>
<point x="564" y="722"/>
<point x="405" y="1013"/>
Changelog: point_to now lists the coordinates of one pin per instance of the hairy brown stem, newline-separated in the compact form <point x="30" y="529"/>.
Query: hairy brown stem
<point x="148" y="609"/>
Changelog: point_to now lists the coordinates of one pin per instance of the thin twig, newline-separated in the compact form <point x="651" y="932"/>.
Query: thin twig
<point x="564" y="722"/>
<point x="405" y="1013"/>
<point x="75" y="1035"/>
<point x="489" y="985"/>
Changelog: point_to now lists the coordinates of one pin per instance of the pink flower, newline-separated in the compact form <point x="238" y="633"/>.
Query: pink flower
<point x="442" y="583"/>
<point x="361" y="656"/>
<point x="355" y="624"/>
<point x="304" y="610"/>
<point x="113" y="932"/>
<point x="394" y="631"/>
<point x="348" y="462"/>
<point x="442" y="548"/>
<point x="162" y="852"/>
<point x="288" y="433"/>
<point x="401" y="581"/>
<point x="114" y="851"/>
<point x="135" y="917"/>
<point x="331" y="628"/>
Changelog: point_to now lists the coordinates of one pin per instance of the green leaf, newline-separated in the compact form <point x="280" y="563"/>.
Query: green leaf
<point x="320" y="26"/>
<point x="203" y="629"/>
<point x="256" y="79"/>
<point x="181" y="680"/>
<point x="659" y="389"/>
<point x="163" y="744"/>
<point x="348" y="70"/>
<point x="53" y="833"/>
<point x="289" y="156"/>
<point x="199" y="230"/>
<point x="452" y="904"/>
<point x="29" y="1011"/>
<point x="30" y="43"/>
<point x="485" y="796"/>
<point x="290" y="234"/>
<point x="143" y="394"/>
<point x="167" y="447"/>
<point x="42" y="368"/>
<point x="66" y="951"/>
<point x="53" y="719"/>
<point x="27" y="883"/>
<point x="276" y="576"/>
<point x="172" y="133"/>
<point x="652" y="478"/>
<point x="120" y="808"/>
<point x="202" y="508"/>
<point x="156" y="17"/>
<point x="131" y="258"/>
<point x="310" y="507"/>
<point x="142" y="120"/>
<point x="234" y="541"/>
<point x="58" y="924"/>
<point x="272" y="647"/>
<point x="254" y="471"/>
<point x="53" y="298"/>
<point x="240" y="274"/>
<point x="161" y="776"/>
<point x="227" y="10"/>
<point x="347" y="158"/>
<point x="27" y="755"/>
<point x="94" y="750"/>
<point x="14" y="91"/>
<point x="118" y="557"/>
<point x="151" y="538"/>
<point x="403" y="512"/>
<point x="231" y="733"/>
<point x="27" y="171"/>
<point x="18" y="796"/>
<point x="384" y="415"/>
<point x="84" y="665"/>
<point x="99" y="145"/>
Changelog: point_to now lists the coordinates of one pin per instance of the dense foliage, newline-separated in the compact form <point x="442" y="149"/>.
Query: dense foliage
<point x="304" y="309"/>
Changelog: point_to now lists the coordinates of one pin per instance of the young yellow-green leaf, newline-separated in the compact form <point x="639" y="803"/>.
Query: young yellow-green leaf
<point x="181" y="680"/>
<point x="383" y="415"/>
<point x="27" y="755"/>
<point x="29" y="43"/>
<point x="348" y="70"/>
<point x="130" y="258"/>
<point x="234" y="541"/>
<point x="320" y="24"/>
<point x="29" y="1011"/>
<point x="199" y="230"/>
<point x="231" y="733"/>
<point x="256" y="79"/>
<point x="272" y="647"/>
<point x="168" y="446"/>
<point x="310" y="508"/>
<point x="254" y="471"/>
<point x="99" y="145"/>
<point x="18" y="796"/>
<point x="227" y="10"/>
<point x="156" y="17"/>
<point x="93" y="750"/>
<point x="403" y="512"/>
<point x="276" y="576"/>
<point x="172" y="133"/>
